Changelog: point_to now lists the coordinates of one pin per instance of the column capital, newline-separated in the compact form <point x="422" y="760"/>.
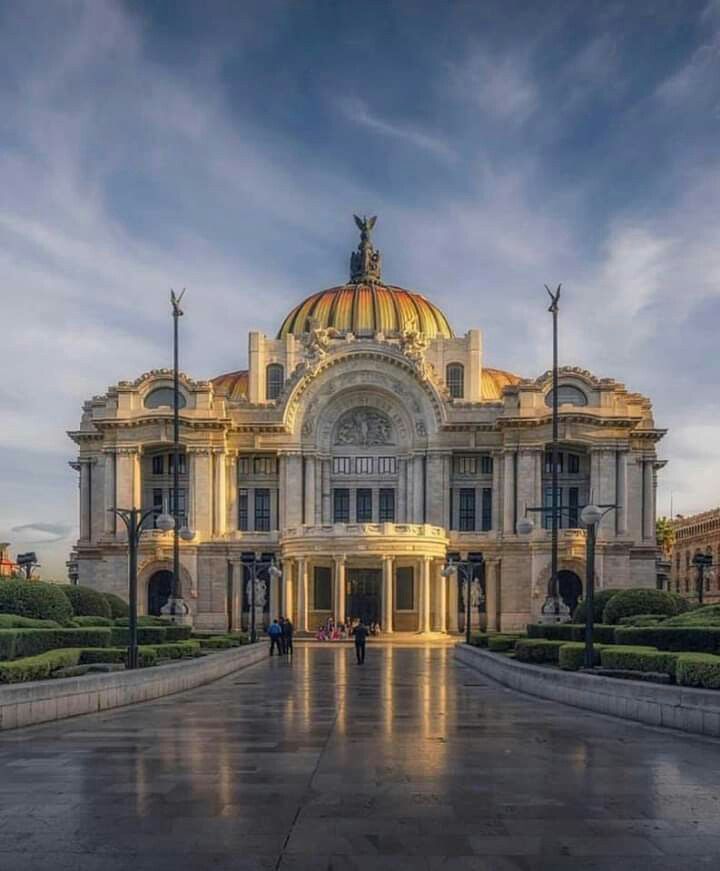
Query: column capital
<point x="340" y="559"/>
<point x="128" y="450"/>
<point x="202" y="450"/>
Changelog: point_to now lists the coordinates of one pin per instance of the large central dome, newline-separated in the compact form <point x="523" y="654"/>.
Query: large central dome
<point x="366" y="305"/>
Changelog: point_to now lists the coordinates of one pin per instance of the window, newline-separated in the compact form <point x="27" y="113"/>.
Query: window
<point x="243" y="509"/>
<point x="467" y="510"/>
<point x="455" y="379"/>
<point x="548" y="462"/>
<point x="274" y="378"/>
<point x="262" y="510"/>
<point x="486" y="518"/>
<point x="180" y="506"/>
<point x="158" y="502"/>
<point x="387" y="465"/>
<point x="158" y="465"/>
<point x="573" y="504"/>
<point x="486" y="464"/>
<point x="163" y="396"/>
<point x="363" y="505"/>
<point x="466" y="465"/>
<point x="404" y="589"/>
<point x="567" y="395"/>
<point x="573" y="463"/>
<point x="243" y="466"/>
<point x="264" y="465"/>
<point x="182" y="465"/>
<point x="547" y="505"/>
<point x="342" y="465"/>
<point x="387" y="505"/>
<point x="322" y="589"/>
<point x="363" y="465"/>
<point x="341" y="505"/>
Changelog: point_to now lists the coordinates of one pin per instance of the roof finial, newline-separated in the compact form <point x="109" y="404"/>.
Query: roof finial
<point x="365" y="262"/>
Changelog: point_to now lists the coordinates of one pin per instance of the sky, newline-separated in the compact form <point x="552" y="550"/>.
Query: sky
<point x="224" y="146"/>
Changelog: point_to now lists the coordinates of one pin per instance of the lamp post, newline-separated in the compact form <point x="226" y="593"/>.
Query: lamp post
<point x="701" y="561"/>
<point x="134" y="520"/>
<point x="465" y="567"/>
<point x="275" y="575"/>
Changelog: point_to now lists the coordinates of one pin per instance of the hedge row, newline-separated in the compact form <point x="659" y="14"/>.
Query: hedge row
<point x="92" y="655"/>
<point x="702" y="639"/>
<point x="572" y="655"/>
<point x="698" y="670"/>
<point x="38" y="667"/>
<point x="14" y="621"/>
<point x="538" y="649"/>
<point x="17" y="643"/>
<point x="35" y="599"/>
<point x="571" y="632"/>
<point x="177" y="649"/>
<point x="639" y="659"/>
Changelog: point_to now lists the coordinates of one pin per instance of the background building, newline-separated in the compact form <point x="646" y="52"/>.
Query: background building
<point x="696" y="533"/>
<point x="364" y="445"/>
<point x="8" y="567"/>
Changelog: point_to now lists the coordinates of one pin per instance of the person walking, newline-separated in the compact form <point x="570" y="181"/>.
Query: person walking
<point x="275" y="633"/>
<point x="281" y="621"/>
<point x="287" y="636"/>
<point x="361" y="633"/>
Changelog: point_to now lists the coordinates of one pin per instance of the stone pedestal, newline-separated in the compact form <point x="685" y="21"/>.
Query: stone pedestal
<point x="552" y="612"/>
<point x="178" y="611"/>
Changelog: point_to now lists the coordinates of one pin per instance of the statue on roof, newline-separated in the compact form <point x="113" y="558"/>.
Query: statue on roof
<point x="365" y="263"/>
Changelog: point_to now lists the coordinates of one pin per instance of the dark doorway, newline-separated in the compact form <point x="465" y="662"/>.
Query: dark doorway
<point x="159" y="589"/>
<point x="363" y="595"/>
<point x="570" y="589"/>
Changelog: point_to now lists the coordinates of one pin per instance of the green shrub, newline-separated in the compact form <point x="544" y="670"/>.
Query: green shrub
<point x="15" y="643"/>
<point x="13" y="621"/>
<point x="92" y="621"/>
<point x="600" y="600"/>
<point x="85" y="601"/>
<point x="642" y="620"/>
<point x="572" y="655"/>
<point x="144" y="620"/>
<point x="35" y="599"/>
<point x="538" y="649"/>
<point x="638" y="659"/>
<point x="480" y="639"/>
<point x="177" y="649"/>
<point x="220" y="642"/>
<point x="118" y="606"/>
<point x="501" y="643"/>
<point x="705" y="639"/>
<point x="146" y="635"/>
<point x="38" y="667"/>
<point x="698" y="670"/>
<point x="627" y="603"/>
<point x="571" y="632"/>
<point x="177" y="633"/>
<point x="93" y="655"/>
<point x="707" y="615"/>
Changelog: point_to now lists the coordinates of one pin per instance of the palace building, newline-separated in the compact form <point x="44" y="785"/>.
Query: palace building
<point x="364" y="446"/>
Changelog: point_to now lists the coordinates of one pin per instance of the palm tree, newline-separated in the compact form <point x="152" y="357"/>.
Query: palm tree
<point x="664" y="536"/>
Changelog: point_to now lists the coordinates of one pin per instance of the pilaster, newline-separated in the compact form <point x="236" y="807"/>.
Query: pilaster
<point x="387" y="595"/>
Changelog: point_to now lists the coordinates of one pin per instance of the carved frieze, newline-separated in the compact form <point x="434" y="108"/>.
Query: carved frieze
<point x="364" y="427"/>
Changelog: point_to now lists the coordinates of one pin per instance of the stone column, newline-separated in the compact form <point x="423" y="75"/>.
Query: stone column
<point x="441" y="589"/>
<point x="453" y="604"/>
<point x="231" y="477"/>
<point x="220" y="493"/>
<point x="291" y="490"/>
<point x="492" y="594"/>
<point x="387" y="595"/>
<point x="621" y="513"/>
<point x="409" y="487"/>
<point x="85" y="523"/>
<point x="401" y="512"/>
<point x="301" y="574"/>
<point x="326" y="492"/>
<point x="509" y="493"/>
<point x="418" y="488"/>
<point x="309" y="514"/>
<point x="438" y="486"/>
<point x="275" y="595"/>
<point x="125" y="459"/>
<point x="317" y="520"/>
<point x="109" y="492"/>
<point x="425" y="595"/>
<point x="200" y="485"/>
<point x="498" y="468"/>
<point x="339" y="598"/>
<point x="288" y="603"/>
<point x="648" y="492"/>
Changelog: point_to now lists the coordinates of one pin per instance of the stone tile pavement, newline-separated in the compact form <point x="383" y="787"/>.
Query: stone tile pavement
<point x="409" y="762"/>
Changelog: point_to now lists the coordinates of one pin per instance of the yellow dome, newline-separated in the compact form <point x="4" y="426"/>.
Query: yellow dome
<point x="493" y="381"/>
<point x="365" y="309"/>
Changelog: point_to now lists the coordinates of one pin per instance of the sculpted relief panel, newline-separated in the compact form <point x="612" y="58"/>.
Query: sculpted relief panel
<point x="364" y="427"/>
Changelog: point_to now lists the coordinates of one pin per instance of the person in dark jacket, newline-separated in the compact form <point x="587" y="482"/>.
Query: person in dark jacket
<point x="360" y="633"/>
<point x="275" y="633"/>
<point x="287" y="636"/>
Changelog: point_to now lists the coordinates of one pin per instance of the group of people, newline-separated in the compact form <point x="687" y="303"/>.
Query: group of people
<point x="332" y="631"/>
<point x="280" y="632"/>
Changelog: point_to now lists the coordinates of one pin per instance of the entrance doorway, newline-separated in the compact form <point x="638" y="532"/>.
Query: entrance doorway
<point x="159" y="589"/>
<point x="570" y="589"/>
<point x="363" y="595"/>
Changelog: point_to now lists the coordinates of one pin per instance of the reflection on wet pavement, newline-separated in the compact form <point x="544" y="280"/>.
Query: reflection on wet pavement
<point x="411" y="761"/>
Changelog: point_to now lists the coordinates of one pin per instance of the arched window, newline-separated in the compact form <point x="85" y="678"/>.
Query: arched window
<point x="567" y="395"/>
<point x="163" y="396"/>
<point x="274" y="377"/>
<point x="455" y="380"/>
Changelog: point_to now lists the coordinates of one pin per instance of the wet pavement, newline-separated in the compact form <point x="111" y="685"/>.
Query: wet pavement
<point x="408" y="762"/>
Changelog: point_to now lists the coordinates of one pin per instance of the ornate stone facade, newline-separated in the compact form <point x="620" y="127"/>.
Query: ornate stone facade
<point x="362" y="447"/>
<point x="695" y="533"/>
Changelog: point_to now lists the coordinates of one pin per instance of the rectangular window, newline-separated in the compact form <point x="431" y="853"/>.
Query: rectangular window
<point x="467" y="509"/>
<point x="548" y="462"/>
<point x="342" y="465"/>
<point x="387" y="505"/>
<point x="466" y="465"/>
<point x="243" y="466"/>
<point x="387" y="465"/>
<point x="573" y="464"/>
<point x="181" y="504"/>
<point x="363" y="465"/>
<point x="547" y="505"/>
<point x="486" y="464"/>
<point x="404" y="589"/>
<point x="262" y="510"/>
<point x="264" y="465"/>
<point x="158" y="465"/>
<point x="341" y="505"/>
<point x="573" y="505"/>
<point x="182" y="466"/>
<point x="486" y="518"/>
<point x="243" y="516"/>
<point x="363" y="505"/>
<point x="322" y="589"/>
<point x="157" y="494"/>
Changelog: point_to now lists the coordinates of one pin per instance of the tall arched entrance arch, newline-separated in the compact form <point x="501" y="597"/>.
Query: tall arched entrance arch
<point x="159" y="588"/>
<point x="570" y="588"/>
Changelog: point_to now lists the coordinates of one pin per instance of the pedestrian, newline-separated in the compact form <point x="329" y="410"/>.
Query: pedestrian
<point x="275" y="633"/>
<point x="281" y="621"/>
<point x="288" y="630"/>
<point x="361" y="633"/>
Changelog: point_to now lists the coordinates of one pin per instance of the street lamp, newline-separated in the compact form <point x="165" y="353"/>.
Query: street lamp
<point x="701" y="561"/>
<point x="275" y="574"/>
<point x="551" y="606"/>
<point x="591" y="515"/>
<point x="134" y="520"/>
<point x="465" y="567"/>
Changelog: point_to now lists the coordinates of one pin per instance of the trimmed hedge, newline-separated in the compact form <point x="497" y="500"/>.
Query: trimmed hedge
<point x="219" y="642"/>
<point x="118" y="606"/>
<point x="178" y="633"/>
<point x="642" y="620"/>
<point x="146" y="635"/>
<point x="501" y="643"/>
<point x="639" y="659"/>
<point x="92" y="621"/>
<point x="679" y="638"/>
<point x="38" y="667"/>
<point x="602" y="634"/>
<point x="86" y="602"/>
<point x="698" y="670"/>
<point x="572" y="655"/>
<point x="177" y="650"/>
<point x="13" y="621"/>
<point x="144" y="620"/>
<point x="16" y="643"/>
<point x="480" y="639"/>
<point x="538" y="650"/>
<point x="627" y="603"/>
<point x="35" y="599"/>
<point x="707" y="615"/>
<point x="92" y="655"/>
<point x="600" y="600"/>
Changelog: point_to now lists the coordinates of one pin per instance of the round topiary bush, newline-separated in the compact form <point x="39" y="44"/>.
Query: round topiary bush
<point x="626" y="603"/>
<point x="600" y="600"/>
<point x="118" y="607"/>
<point x="35" y="599"/>
<point x="86" y="602"/>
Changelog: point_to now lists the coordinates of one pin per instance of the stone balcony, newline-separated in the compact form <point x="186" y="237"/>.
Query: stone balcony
<point x="371" y="539"/>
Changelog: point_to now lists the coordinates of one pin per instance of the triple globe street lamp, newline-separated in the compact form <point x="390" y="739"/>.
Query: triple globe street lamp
<point x="465" y="568"/>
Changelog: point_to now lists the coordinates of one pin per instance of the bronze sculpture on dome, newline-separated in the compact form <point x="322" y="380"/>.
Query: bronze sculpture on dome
<point x="365" y="263"/>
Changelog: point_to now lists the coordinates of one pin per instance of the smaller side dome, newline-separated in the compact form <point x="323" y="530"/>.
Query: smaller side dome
<point x="493" y="381"/>
<point x="234" y="385"/>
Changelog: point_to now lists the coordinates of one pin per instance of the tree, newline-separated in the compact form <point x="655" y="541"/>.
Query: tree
<point x="664" y="536"/>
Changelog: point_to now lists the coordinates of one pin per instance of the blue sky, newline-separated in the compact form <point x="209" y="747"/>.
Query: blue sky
<point x="224" y="146"/>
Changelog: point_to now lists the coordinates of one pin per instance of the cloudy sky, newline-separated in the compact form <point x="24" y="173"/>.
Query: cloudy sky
<point x="223" y="146"/>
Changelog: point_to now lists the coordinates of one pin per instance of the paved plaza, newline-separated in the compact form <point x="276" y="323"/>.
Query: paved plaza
<point x="409" y="762"/>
